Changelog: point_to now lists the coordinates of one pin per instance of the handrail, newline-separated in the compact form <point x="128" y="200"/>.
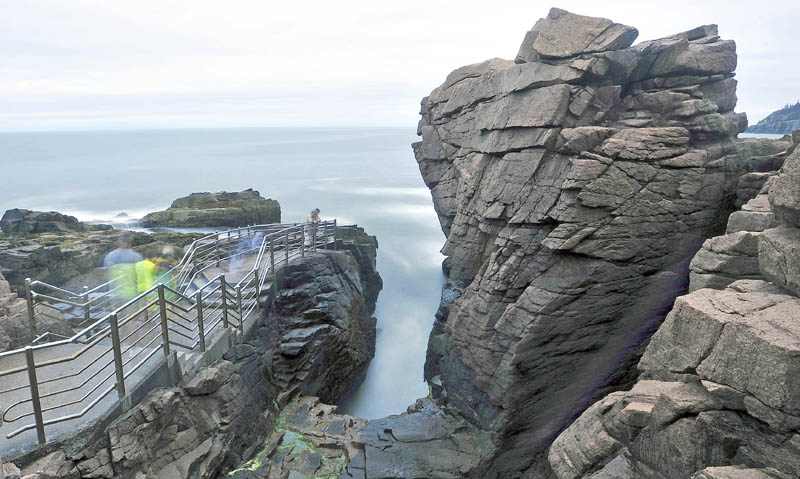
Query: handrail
<point x="174" y="313"/>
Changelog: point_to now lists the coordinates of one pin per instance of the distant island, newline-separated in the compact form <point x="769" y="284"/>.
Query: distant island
<point x="782" y="121"/>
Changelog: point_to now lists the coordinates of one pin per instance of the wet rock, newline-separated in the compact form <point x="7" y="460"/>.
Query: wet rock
<point x="328" y="337"/>
<point x="310" y="440"/>
<point x="218" y="209"/>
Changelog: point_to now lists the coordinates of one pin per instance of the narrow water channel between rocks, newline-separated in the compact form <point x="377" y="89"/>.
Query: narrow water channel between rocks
<point x="358" y="175"/>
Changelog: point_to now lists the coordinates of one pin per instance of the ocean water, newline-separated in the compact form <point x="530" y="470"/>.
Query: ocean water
<point x="366" y="176"/>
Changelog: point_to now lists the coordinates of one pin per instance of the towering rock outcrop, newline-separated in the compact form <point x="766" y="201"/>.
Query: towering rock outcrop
<point x="718" y="394"/>
<point x="574" y="185"/>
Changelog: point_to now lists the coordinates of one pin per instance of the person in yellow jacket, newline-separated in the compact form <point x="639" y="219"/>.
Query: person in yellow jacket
<point x="145" y="275"/>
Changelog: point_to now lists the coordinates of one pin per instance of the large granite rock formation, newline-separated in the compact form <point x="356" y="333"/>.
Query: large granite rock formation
<point x="718" y="394"/>
<point x="574" y="186"/>
<point x="218" y="209"/>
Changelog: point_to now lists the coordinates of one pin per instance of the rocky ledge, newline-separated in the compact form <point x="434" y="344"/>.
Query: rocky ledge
<point x="718" y="394"/>
<point x="21" y="221"/>
<point x="574" y="185"/>
<point x="314" y="339"/>
<point x="217" y="209"/>
<point x="60" y="257"/>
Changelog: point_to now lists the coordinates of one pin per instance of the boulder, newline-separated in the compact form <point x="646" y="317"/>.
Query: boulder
<point x="217" y="209"/>
<point x="563" y="34"/>
<point x="779" y="257"/>
<point x="31" y="222"/>
<point x="784" y="194"/>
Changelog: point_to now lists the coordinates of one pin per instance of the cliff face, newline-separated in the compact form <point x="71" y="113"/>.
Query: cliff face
<point x="717" y="395"/>
<point x="574" y="186"/>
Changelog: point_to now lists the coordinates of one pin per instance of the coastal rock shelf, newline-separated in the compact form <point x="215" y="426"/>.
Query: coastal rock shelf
<point x="217" y="209"/>
<point x="574" y="185"/>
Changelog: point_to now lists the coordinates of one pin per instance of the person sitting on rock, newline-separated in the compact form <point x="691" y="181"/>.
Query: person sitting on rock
<point x="313" y="220"/>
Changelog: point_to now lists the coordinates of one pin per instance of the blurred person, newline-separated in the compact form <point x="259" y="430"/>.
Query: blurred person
<point x="164" y="264"/>
<point x="120" y="265"/>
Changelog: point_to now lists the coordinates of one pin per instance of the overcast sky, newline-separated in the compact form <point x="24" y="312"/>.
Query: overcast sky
<point x="104" y="64"/>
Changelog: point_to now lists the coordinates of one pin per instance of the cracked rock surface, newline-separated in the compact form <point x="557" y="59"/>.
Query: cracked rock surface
<point x="718" y="392"/>
<point x="574" y="185"/>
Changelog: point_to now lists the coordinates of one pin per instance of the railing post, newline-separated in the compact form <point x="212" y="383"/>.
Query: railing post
<point x="257" y="285"/>
<point x="335" y="247"/>
<point x="31" y="313"/>
<point x="216" y="249"/>
<point x="37" y="405"/>
<point x="272" y="259"/>
<point x="239" y="307"/>
<point x="287" y="248"/>
<point x="162" y="305"/>
<point x="87" y="316"/>
<point x="198" y="299"/>
<point x="303" y="241"/>
<point x="224" y="297"/>
<point x="115" y="344"/>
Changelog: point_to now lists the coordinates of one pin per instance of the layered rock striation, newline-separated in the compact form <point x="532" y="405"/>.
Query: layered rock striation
<point x="717" y="395"/>
<point x="223" y="208"/>
<point x="574" y="185"/>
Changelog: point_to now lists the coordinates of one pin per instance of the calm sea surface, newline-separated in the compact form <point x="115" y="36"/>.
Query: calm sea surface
<point x="365" y="176"/>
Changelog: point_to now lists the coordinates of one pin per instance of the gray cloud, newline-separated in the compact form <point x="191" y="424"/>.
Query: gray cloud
<point x="147" y="64"/>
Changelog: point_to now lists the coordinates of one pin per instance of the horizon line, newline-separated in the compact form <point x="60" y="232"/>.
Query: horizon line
<point x="189" y="128"/>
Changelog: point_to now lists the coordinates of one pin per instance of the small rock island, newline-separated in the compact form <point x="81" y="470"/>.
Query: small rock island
<point x="223" y="208"/>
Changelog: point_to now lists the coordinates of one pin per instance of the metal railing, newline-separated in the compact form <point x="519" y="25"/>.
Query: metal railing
<point x="58" y="381"/>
